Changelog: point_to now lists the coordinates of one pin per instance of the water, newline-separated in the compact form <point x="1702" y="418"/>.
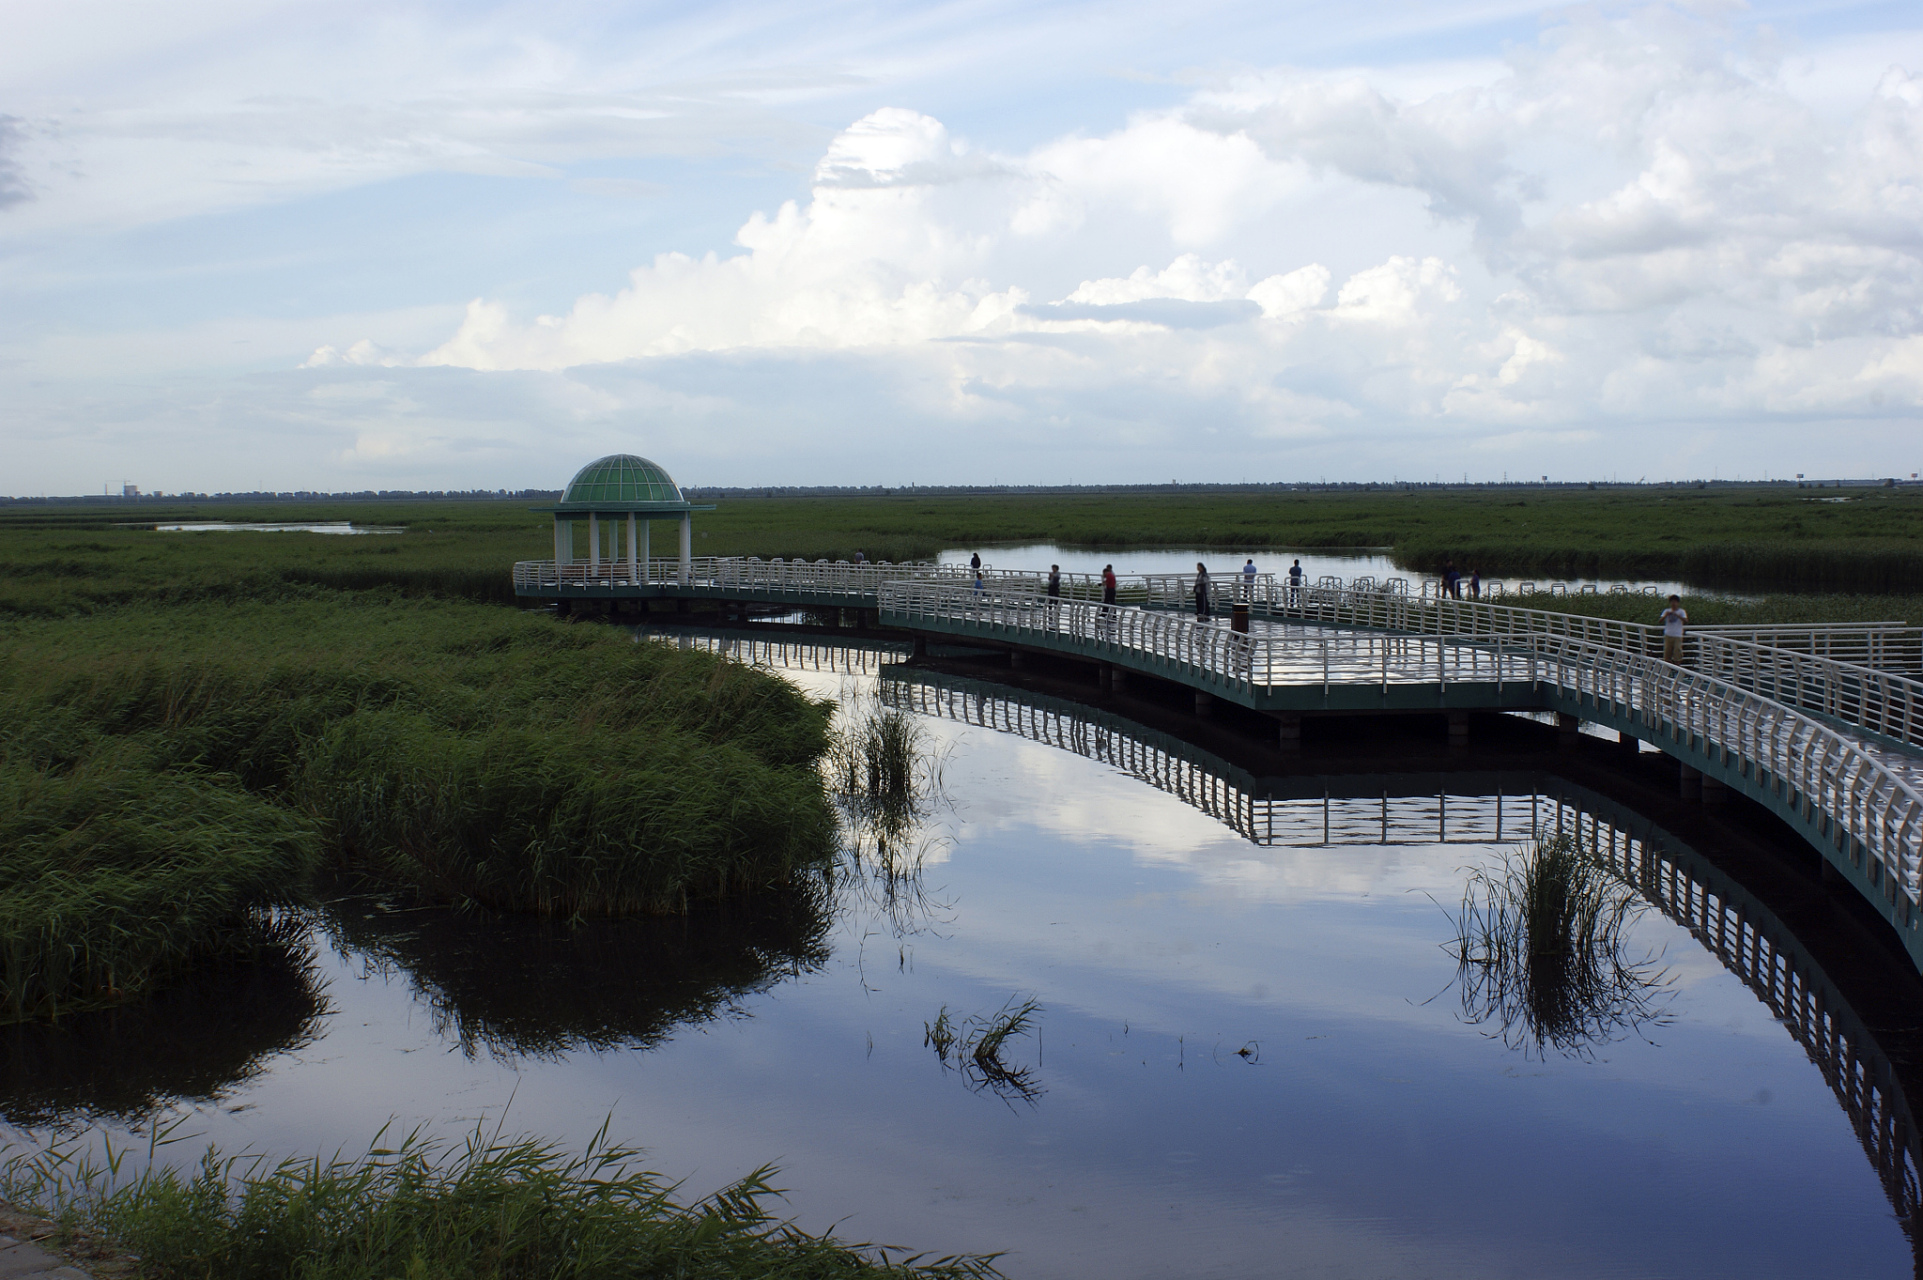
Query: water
<point x="1167" y="910"/>
<point x="324" y="526"/>
<point x="1316" y="562"/>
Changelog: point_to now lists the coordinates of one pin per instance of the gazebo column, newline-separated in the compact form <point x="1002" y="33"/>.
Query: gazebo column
<point x="687" y="548"/>
<point x="563" y="545"/>
<point x="647" y="570"/>
<point x="634" y="574"/>
<point x="594" y="544"/>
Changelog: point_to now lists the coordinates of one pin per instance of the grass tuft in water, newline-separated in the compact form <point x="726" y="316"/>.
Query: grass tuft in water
<point x="511" y="1209"/>
<point x="976" y="1045"/>
<point x="1543" y="952"/>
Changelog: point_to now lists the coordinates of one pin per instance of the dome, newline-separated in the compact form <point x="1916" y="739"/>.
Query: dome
<point x="621" y="478"/>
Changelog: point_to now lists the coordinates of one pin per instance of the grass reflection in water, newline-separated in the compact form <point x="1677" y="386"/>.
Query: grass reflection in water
<point x="887" y="781"/>
<point x="1544" y="955"/>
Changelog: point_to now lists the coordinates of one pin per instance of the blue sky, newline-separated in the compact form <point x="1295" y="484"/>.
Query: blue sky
<point x="413" y="245"/>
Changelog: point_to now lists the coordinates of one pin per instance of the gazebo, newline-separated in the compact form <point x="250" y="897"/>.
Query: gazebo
<point x="607" y="491"/>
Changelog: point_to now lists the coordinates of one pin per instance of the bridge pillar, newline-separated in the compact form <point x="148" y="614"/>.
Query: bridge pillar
<point x="1714" y="792"/>
<point x="1117" y="679"/>
<point x="1691" y="785"/>
<point x="1568" y="729"/>
<point x="921" y="647"/>
<point x="1014" y="659"/>
<point x="1458" y="728"/>
<point x="1204" y="704"/>
<point x="1289" y="728"/>
<point x="1629" y="742"/>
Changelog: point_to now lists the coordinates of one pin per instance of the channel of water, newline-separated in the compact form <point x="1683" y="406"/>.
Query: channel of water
<point x="1252" y="1054"/>
<point x="1316" y="562"/>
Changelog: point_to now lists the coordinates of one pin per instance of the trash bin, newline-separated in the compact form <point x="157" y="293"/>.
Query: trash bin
<point x="1239" y="616"/>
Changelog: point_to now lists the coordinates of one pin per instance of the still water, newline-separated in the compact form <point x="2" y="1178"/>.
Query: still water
<point x="1249" y="1059"/>
<point x="1316" y="562"/>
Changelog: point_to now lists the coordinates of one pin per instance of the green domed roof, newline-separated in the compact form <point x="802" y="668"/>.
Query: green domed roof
<point x="621" y="478"/>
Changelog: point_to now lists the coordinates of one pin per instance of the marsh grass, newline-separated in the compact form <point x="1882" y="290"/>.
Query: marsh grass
<point x="166" y="771"/>
<point x="117" y="877"/>
<point x="504" y="1208"/>
<point x="1544" y="955"/>
<point x="886" y="776"/>
<point x="975" y="1045"/>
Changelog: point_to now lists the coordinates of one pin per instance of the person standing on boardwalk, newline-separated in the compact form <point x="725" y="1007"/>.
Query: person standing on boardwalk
<point x="1108" y="585"/>
<point x="1201" y="590"/>
<point x="1475" y="584"/>
<point x="1674" y="619"/>
<point x="1054" y="590"/>
<point x="859" y="557"/>
<point x="1295" y="583"/>
<point x="1248" y="579"/>
<point x="1451" y="580"/>
<point x="975" y="563"/>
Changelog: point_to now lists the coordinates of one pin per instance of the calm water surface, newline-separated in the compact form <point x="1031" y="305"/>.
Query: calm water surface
<point x="1036" y="557"/>
<point x="1369" y="1130"/>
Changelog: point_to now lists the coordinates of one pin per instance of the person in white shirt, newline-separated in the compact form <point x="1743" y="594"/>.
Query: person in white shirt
<point x="1673" y="620"/>
<point x="1248" y="580"/>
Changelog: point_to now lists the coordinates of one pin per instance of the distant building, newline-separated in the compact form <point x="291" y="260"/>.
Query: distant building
<point x="130" y="491"/>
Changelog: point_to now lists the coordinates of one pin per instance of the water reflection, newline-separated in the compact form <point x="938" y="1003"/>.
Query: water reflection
<point x="529" y="987"/>
<point x="199" y="1039"/>
<point x="1544" y="956"/>
<point x="1468" y="806"/>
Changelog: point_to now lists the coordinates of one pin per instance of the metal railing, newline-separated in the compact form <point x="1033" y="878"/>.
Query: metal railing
<point x="1882" y="702"/>
<point x="1214" y="654"/>
<point x="1808" y="763"/>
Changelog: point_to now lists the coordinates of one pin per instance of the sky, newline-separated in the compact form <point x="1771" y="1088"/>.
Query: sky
<point x="249" y="244"/>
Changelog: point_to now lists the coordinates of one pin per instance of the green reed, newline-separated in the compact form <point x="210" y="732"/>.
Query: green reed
<point x="171" y="768"/>
<point x="510" y="1209"/>
<point x="116" y="876"/>
<point x="976" y="1044"/>
<point x="1544" y="955"/>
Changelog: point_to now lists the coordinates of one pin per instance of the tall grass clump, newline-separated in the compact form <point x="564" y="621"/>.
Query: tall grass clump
<point x="1544" y="956"/>
<point x="116" y="876"/>
<point x="165" y="770"/>
<point x="885" y="775"/>
<point x="507" y="1209"/>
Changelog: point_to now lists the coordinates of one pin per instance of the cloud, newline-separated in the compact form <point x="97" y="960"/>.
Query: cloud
<point x="13" y="179"/>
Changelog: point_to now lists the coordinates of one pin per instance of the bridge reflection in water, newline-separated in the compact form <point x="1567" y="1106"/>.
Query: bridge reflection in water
<point x="1456" y="807"/>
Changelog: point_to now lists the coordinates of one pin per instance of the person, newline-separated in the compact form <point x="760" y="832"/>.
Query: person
<point x="1451" y="580"/>
<point x="1475" y="584"/>
<point x="859" y="557"/>
<point x="1248" y="579"/>
<point x="975" y="563"/>
<point x="1054" y="589"/>
<point x="1108" y="585"/>
<point x="1674" y="619"/>
<point x="1295" y="583"/>
<point x="1201" y="590"/>
<point x="978" y="582"/>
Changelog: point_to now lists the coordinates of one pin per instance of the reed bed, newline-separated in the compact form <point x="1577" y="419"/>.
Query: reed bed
<point x="117" y="876"/>
<point x="169" y="770"/>
<point x="1544" y="954"/>
<point x="493" y="1207"/>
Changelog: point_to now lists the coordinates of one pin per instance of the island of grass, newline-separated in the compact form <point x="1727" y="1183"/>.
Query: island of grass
<point x="170" y="771"/>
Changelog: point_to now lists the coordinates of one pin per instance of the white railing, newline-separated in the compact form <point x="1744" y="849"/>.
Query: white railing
<point x="1217" y="654"/>
<point x="1872" y="644"/>
<point x="1880" y="701"/>
<point x="1816" y="765"/>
